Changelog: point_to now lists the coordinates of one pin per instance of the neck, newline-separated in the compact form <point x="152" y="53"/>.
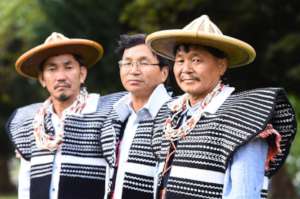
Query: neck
<point x="60" y="106"/>
<point x="195" y="99"/>
<point x="138" y="102"/>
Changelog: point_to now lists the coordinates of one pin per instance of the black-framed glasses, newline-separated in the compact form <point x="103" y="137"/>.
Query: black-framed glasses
<point x="139" y="64"/>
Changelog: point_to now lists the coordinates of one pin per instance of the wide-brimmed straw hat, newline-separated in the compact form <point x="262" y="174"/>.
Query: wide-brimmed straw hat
<point x="28" y="64"/>
<point x="204" y="32"/>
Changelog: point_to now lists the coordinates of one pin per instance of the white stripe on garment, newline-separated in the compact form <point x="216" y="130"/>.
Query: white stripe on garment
<point x="140" y="169"/>
<point x="197" y="174"/>
<point x="67" y="159"/>
<point x="266" y="183"/>
<point x="46" y="159"/>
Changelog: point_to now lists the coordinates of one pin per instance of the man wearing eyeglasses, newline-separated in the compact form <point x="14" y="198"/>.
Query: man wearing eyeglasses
<point x="126" y="137"/>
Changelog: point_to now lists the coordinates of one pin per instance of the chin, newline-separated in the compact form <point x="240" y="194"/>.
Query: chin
<point x="187" y="89"/>
<point x="63" y="97"/>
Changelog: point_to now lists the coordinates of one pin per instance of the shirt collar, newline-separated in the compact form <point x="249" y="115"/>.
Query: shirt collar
<point x="90" y="107"/>
<point x="215" y="103"/>
<point x="157" y="98"/>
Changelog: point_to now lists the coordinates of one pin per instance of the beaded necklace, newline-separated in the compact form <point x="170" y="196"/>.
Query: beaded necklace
<point x="180" y="105"/>
<point x="45" y="140"/>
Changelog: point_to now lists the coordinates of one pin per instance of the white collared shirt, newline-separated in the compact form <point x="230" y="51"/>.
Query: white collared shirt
<point x="215" y="103"/>
<point x="24" y="172"/>
<point x="124" y="109"/>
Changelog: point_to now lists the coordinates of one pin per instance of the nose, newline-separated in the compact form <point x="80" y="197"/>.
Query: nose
<point x="61" y="75"/>
<point x="187" y="66"/>
<point x="135" y="68"/>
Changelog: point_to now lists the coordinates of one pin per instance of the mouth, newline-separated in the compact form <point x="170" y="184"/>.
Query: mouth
<point x="61" y="86"/>
<point x="134" y="81"/>
<point x="189" y="79"/>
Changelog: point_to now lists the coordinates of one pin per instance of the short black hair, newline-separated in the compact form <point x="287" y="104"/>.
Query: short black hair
<point x="128" y="41"/>
<point x="214" y="51"/>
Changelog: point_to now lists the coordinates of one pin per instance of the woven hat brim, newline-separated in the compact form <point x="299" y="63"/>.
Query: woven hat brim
<point x="28" y="64"/>
<point x="239" y="53"/>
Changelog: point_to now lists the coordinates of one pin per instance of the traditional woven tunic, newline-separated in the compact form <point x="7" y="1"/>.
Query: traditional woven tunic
<point x="202" y="157"/>
<point x="82" y="171"/>
<point x="136" y="163"/>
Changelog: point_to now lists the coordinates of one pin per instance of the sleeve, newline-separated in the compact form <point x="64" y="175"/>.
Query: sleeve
<point x="284" y="121"/>
<point x="20" y="129"/>
<point x="244" y="177"/>
<point x="24" y="179"/>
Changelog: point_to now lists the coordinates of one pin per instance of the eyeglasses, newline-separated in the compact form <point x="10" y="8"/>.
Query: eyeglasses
<point x="140" y="64"/>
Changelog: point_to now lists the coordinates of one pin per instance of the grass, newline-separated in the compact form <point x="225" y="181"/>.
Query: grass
<point x="13" y="170"/>
<point x="9" y="197"/>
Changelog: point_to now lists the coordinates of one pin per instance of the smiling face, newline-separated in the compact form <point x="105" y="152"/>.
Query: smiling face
<point x="62" y="76"/>
<point x="197" y="71"/>
<point x="141" y="80"/>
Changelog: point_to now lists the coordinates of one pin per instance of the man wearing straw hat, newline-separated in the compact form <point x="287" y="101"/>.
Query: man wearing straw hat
<point x="59" y="140"/>
<point x="214" y="142"/>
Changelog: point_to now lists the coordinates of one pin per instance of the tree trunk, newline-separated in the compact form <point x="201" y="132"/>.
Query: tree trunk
<point x="282" y="186"/>
<point x="6" y="186"/>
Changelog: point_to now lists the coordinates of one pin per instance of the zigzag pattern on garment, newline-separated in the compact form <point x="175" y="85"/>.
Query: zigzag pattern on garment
<point x="82" y="161"/>
<point x="141" y="164"/>
<point x="215" y="138"/>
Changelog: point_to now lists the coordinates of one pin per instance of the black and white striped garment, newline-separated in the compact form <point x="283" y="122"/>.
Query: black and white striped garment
<point x="83" y="167"/>
<point x="201" y="158"/>
<point x="141" y="164"/>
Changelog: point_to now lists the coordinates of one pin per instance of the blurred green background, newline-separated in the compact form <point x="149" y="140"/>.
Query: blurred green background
<point x="271" y="26"/>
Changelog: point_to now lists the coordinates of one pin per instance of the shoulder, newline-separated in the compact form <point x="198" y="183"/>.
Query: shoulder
<point x="113" y="96"/>
<point x="258" y="99"/>
<point x="271" y="94"/>
<point x="267" y="92"/>
<point x="109" y="100"/>
<point x="24" y="113"/>
<point x="19" y="127"/>
<point x="165" y="108"/>
<point x="21" y="116"/>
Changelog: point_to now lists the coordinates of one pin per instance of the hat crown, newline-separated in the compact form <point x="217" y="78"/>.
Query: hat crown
<point x="203" y="25"/>
<point x="55" y="37"/>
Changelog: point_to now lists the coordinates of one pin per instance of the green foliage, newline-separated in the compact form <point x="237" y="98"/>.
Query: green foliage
<point x="150" y="15"/>
<point x="19" y="19"/>
<point x="294" y="157"/>
<point x="272" y="27"/>
<point x="9" y="197"/>
<point x="97" y="20"/>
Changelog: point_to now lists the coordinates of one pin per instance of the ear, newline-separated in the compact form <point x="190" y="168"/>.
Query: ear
<point x="41" y="80"/>
<point x="222" y="65"/>
<point x="164" y="73"/>
<point x="83" y="74"/>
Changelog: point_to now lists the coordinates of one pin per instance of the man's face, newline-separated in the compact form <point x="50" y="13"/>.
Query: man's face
<point x="197" y="71"/>
<point x="62" y="75"/>
<point x="138" y="79"/>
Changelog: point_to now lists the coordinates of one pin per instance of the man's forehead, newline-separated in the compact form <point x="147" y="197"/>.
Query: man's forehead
<point x="138" y="52"/>
<point x="190" y="49"/>
<point x="60" y="57"/>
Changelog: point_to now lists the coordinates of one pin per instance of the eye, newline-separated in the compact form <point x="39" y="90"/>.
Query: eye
<point x="126" y="64"/>
<point x="196" y="60"/>
<point x="69" y="66"/>
<point x="179" y="61"/>
<point x="143" y="63"/>
<point x="50" y="68"/>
